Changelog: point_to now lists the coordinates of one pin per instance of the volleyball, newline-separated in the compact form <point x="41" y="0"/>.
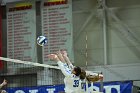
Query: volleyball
<point x="41" y="40"/>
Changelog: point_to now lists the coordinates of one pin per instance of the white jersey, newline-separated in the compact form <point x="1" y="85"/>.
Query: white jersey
<point x="72" y="82"/>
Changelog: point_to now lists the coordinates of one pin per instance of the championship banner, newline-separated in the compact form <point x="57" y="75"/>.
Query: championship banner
<point x="1" y="64"/>
<point x="57" y="27"/>
<point x="21" y="31"/>
<point x="109" y="87"/>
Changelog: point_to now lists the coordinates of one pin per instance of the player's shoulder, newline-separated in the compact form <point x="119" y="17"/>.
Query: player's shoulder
<point x="76" y="77"/>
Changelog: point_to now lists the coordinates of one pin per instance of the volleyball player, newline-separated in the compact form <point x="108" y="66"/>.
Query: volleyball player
<point x="90" y="76"/>
<point x="2" y="85"/>
<point x="73" y="76"/>
<point x="78" y="76"/>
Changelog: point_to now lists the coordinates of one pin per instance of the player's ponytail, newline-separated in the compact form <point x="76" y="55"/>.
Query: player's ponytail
<point x="82" y="74"/>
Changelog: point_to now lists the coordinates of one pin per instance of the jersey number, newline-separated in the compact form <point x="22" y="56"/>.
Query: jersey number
<point x="76" y="83"/>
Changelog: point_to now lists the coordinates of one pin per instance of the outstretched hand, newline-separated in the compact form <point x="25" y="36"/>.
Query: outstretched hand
<point x="4" y="82"/>
<point x="64" y="53"/>
<point x="53" y="57"/>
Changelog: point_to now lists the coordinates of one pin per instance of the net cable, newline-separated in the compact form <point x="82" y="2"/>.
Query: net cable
<point x="27" y="63"/>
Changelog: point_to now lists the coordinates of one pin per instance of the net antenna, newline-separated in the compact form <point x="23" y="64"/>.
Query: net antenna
<point x="27" y="63"/>
<point x="86" y="38"/>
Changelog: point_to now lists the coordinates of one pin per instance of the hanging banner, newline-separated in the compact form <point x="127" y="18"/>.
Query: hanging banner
<point x="57" y="27"/>
<point x="114" y="87"/>
<point x="21" y="31"/>
<point x="1" y="64"/>
<point x="109" y="87"/>
<point x="40" y="89"/>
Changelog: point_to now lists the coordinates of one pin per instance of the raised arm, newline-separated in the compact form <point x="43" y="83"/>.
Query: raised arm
<point x="63" y="67"/>
<point x="3" y="83"/>
<point x="66" y="58"/>
<point x="60" y="56"/>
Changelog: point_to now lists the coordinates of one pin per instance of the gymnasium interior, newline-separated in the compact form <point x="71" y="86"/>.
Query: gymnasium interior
<point x="101" y="36"/>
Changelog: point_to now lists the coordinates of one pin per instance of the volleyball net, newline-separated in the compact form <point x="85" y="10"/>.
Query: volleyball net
<point x="50" y="75"/>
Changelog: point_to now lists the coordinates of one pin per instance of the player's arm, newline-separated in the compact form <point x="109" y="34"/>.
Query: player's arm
<point x="3" y="83"/>
<point x="60" y="56"/>
<point x="66" y="58"/>
<point x="65" y="70"/>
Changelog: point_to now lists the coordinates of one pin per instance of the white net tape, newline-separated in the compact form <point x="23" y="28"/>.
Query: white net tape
<point x="27" y="63"/>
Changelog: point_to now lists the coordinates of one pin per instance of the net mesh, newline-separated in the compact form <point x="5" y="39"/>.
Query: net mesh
<point x="25" y="73"/>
